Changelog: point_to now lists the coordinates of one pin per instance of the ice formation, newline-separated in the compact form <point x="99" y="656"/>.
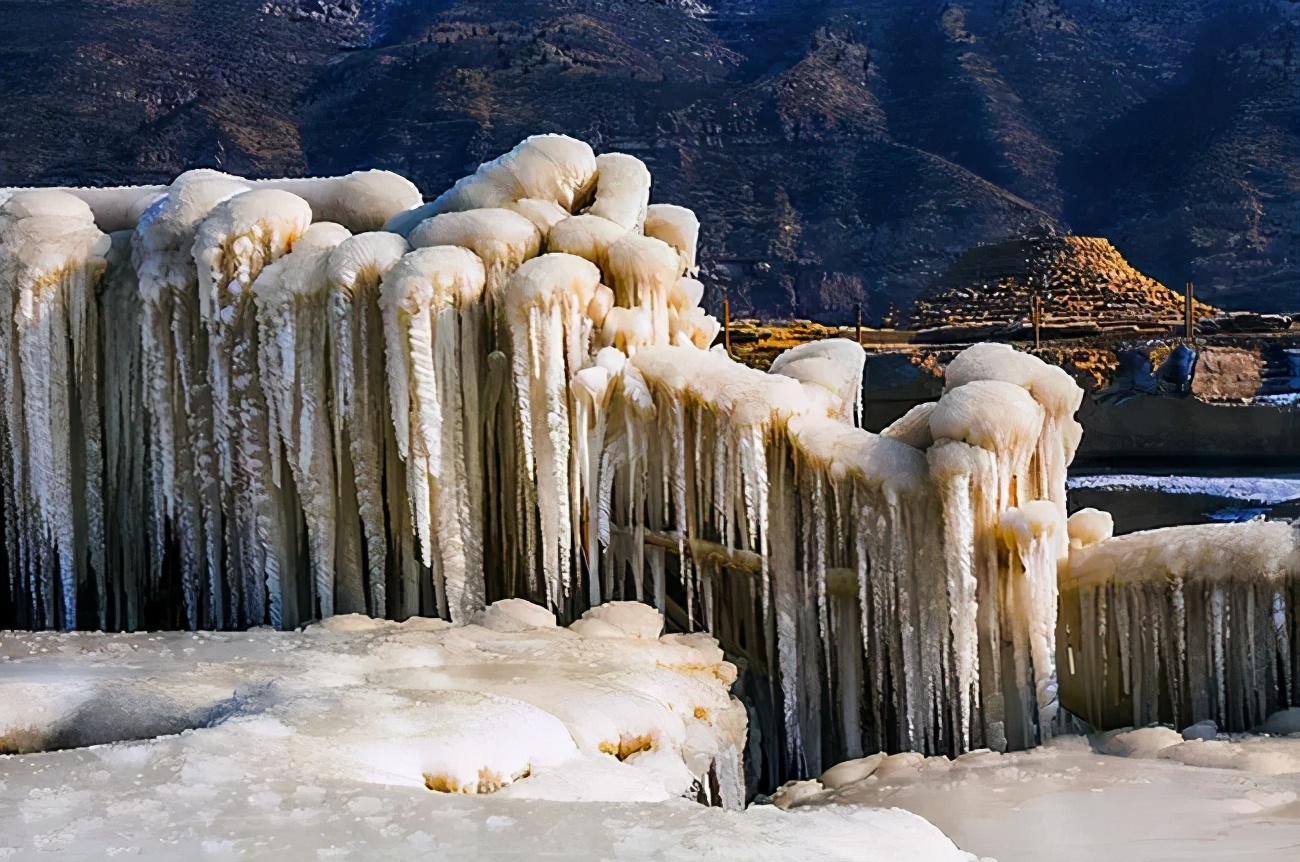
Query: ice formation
<point x="1181" y="624"/>
<point x="435" y="334"/>
<point x="373" y="513"/>
<point x="53" y="258"/>
<point x="510" y="392"/>
<point x="1086" y="798"/>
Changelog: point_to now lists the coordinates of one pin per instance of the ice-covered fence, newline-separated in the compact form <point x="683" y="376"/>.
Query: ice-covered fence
<point x="1181" y="624"/>
<point x="509" y="392"/>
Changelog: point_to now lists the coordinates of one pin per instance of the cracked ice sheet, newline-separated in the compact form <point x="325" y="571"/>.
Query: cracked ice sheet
<point x="327" y="732"/>
<point x="1067" y="803"/>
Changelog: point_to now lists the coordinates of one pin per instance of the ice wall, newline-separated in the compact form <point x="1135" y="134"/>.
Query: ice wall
<point x="511" y="392"/>
<point x="1181" y="624"/>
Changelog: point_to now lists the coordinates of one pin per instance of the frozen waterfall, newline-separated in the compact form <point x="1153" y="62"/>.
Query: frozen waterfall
<point x="262" y="402"/>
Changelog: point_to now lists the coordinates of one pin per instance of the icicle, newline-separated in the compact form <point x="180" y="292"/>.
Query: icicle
<point x="177" y="392"/>
<point x="953" y="466"/>
<point x="234" y="243"/>
<point x="1195" y="614"/>
<point x="544" y="308"/>
<point x="1033" y="531"/>
<point x="363" y="428"/>
<point x="434" y="324"/>
<point x="292" y="297"/>
<point x="130" y="524"/>
<point x="53" y="258"/>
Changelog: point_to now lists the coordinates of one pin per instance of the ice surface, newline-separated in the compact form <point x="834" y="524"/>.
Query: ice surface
<point x="1253" y="489"/>
<point x="365" y="739"/>
<point x="1068" y="802"/>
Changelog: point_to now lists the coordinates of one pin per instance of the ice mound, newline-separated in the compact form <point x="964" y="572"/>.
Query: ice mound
<point x="633" y="619"/>
<point x="850" y="771"/>
<point x="516" y="615"/>
<point x="1088" y="527"/>
<point x="464" y="741"/>
<point x="376" y="739"/>
<point x="1086" y="805"/>
<point x="1144" y="742"/>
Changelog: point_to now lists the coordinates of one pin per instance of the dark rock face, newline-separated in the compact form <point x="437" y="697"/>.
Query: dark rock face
<point x="838" y="153"/>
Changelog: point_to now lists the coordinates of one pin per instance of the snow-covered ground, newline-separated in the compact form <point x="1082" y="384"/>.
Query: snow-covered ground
<point x="1164" y="800"/>
<point x="324" y="744"/>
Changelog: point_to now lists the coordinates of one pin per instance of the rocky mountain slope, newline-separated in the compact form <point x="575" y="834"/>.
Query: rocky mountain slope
<point x="839" y="153"/>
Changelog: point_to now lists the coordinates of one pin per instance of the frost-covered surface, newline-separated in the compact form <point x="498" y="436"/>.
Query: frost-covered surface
<point x="1252" y="489"/>
<point x="323" y="744"/>
<point x="1218" y="800"/>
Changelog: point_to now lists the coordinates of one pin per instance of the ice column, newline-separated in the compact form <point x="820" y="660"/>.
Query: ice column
<point x="435" y="326"/>
<point x="550" y="340"/>
<point x="51" y="260"/>
<point x="233" y="244"/>
<point x="292" y="298"/>
<point x="364" y="438"/>
<point x="184" y="499"/>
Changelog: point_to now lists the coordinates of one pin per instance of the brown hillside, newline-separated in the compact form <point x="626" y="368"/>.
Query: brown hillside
<point x="1084" y="281"/>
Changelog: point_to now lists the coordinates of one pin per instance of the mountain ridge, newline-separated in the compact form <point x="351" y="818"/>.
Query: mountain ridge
<point x="839" y="154"/>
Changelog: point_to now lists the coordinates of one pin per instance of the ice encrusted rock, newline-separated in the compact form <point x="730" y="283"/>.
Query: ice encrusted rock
<point x="1201" y="730"/>
<point x="1284" y="722"/>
